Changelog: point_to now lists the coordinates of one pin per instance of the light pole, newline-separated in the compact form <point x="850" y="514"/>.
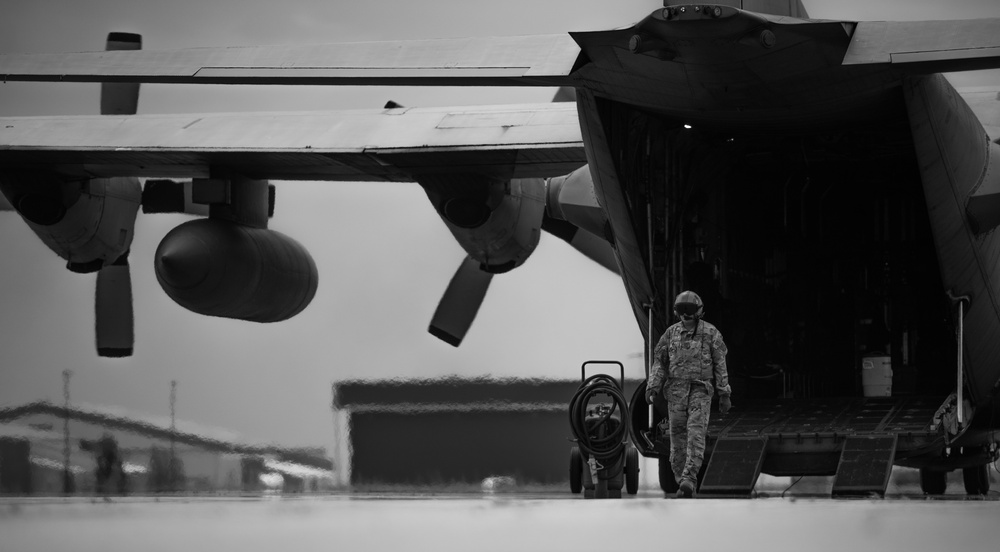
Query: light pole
<point x="173" y="430"/>
<point x="67" y="475"/>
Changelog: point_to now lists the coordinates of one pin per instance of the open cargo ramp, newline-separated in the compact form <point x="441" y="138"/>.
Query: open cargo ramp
<point x="855" y="439"/>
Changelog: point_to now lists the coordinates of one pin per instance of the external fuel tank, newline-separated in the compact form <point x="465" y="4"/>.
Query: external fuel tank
<point x="221" y="268"/>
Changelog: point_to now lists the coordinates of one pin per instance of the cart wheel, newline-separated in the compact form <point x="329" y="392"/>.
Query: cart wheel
<point x="575" y="470"/>
<point x="632" y="471"/>
<point x="933" y="482"/>
<point x="977" y="480"/>
<point x="667" y="482"/>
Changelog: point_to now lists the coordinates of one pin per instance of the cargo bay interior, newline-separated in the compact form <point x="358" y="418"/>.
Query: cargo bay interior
<point x="812" y="252"/>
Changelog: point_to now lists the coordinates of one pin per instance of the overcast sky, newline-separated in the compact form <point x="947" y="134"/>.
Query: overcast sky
<point x="384" y="257"/>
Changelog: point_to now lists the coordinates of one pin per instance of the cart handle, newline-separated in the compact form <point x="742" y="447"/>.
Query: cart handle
<point x="621" y="369"/>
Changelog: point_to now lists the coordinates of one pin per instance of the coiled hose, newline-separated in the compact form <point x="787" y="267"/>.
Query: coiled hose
<point x="610" y="447"/>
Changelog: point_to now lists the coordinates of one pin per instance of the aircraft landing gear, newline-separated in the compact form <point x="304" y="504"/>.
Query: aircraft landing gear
<point x="977" y="480"/>
<point x="975" y="464"/>
<point x="933" y="482"/>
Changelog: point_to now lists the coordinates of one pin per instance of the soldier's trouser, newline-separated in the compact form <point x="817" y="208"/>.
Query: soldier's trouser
<point x="689" y="404"/>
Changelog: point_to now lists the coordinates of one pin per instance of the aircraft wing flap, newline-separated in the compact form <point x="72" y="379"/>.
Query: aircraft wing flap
<point x="927" y="46"/>
<point x="539" y="60"/>
<point x="390" y="144"/>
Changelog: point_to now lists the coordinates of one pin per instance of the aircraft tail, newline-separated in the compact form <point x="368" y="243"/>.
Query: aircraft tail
<point x="790" y="8"/>
<point x="121" y="98"/>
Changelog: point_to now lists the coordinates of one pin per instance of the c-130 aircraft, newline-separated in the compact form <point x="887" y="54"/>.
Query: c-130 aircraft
<point x="826" y="191"/>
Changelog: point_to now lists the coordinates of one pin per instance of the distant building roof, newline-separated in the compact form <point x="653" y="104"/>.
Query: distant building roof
<point x="459" y="394"/>
<point x="306" y="457"/>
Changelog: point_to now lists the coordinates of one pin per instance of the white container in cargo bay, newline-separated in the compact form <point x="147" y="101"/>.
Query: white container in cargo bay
<point x="876" y="376"/>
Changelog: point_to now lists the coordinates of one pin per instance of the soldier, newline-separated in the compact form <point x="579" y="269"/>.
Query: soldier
<point x="109" y="463"/>
<point x="689" y="364"/>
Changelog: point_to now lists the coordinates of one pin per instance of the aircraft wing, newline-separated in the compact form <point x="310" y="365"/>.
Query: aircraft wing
<point x="540" y="60"/>
<point x="508" y="141"/>
<point x="927" y="46"/>
<point x="537" y="60"/>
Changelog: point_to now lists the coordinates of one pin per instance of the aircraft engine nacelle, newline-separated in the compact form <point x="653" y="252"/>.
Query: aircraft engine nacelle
<point x="498" y="223"/>
<point x="220" y="268"/>
<point x="88" y="222"/>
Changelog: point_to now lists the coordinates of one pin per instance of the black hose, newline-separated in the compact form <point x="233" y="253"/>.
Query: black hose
<point x="610" y="447"/>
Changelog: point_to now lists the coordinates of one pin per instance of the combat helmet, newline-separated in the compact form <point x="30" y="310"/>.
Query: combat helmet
<point x="688" y="302"/>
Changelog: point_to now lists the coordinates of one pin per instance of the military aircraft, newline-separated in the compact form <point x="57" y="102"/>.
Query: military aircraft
<point x="829" y="194"/>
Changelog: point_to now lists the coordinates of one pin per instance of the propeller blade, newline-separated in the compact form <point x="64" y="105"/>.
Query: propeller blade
<point x="113" y="310"/>
<point x="565" y="94"/>
<point x="121" y="98"/>
<point x="594" y="248"/>
<point x="460" y="303"/>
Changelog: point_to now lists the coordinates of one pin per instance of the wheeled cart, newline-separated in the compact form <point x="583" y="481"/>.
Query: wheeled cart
<point x="603" y="460"/>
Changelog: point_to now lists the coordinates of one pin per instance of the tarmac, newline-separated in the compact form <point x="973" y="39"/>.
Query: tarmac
<point x="502" y="521"/>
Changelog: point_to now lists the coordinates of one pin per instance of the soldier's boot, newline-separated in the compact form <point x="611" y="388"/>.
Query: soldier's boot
<point x="686" y="489"/>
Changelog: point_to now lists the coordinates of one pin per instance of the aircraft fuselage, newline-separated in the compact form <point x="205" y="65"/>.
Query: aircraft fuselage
<point x="826" y="212"/>
<point x="738" y="70"/>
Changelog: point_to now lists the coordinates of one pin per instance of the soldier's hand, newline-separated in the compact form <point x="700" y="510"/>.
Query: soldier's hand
<point x="725" y="403"/>
<point x="651" y="395"/>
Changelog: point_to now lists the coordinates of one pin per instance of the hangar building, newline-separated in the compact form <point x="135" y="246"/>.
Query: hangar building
<point x="442" y="431"/>
<point x="36" y="438"/>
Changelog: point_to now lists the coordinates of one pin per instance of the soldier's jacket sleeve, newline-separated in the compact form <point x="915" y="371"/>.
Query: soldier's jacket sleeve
<point x="661" y="362"/>
<point x="719" y="351"/>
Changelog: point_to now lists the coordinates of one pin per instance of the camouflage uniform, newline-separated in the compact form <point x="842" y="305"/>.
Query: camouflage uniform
<point x="695" y="358"/>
